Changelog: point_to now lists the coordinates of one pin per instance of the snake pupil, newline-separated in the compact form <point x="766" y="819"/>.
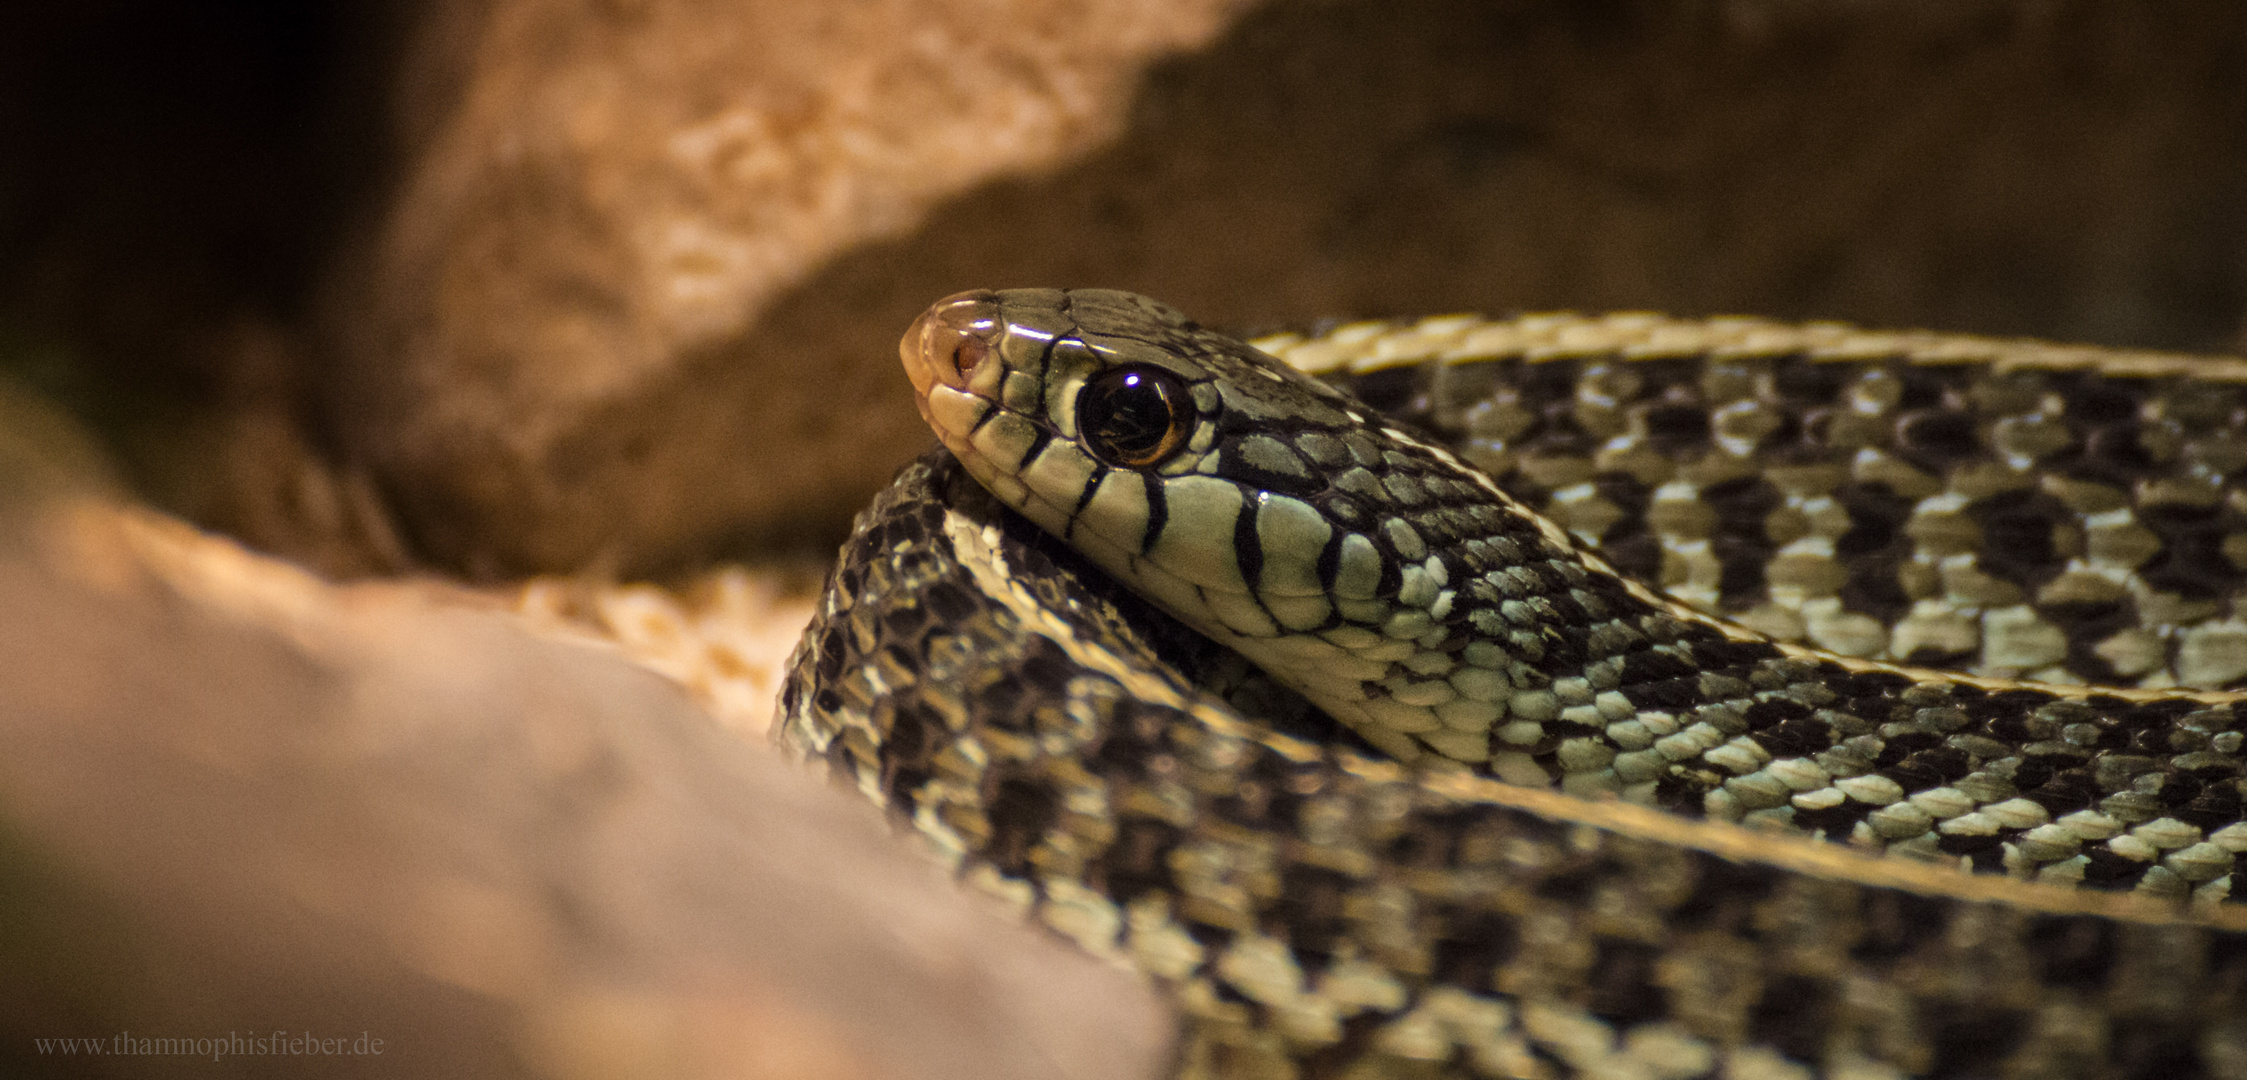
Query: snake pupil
<point x="1133" y="417"/>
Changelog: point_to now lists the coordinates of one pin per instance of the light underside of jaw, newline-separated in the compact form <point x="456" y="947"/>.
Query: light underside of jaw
<point x="952" y="413"/>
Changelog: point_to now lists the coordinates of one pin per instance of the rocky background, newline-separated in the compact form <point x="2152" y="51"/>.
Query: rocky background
<point x="438" y="296"/>
<point x="529" y="286"/>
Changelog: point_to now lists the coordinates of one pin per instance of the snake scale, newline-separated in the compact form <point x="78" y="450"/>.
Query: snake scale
<point x="1573" y="697"/>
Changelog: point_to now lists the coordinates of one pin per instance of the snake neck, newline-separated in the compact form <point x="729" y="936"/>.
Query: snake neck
<point x="1509" y="649"/>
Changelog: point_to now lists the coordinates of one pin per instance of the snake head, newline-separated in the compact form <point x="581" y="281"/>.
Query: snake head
<point x="1123" y="428"/>
<point x="1353" y="560"/>
<point x="1197" y="469"/>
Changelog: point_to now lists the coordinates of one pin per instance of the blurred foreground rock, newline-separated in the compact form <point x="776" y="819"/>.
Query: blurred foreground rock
<point x="235" y="800"/>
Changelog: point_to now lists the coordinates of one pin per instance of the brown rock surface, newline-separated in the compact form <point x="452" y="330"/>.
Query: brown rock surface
<point x="619" y="193"/>
<point x="641" y="291"/>
<point x="237" y="801"/>
<point x="624" y="278"/>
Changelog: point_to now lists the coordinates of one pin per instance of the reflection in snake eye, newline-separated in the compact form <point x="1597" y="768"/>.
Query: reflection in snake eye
<point x="1134" y="417"/>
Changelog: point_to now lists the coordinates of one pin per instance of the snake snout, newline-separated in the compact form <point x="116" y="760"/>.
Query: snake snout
<point x="950" y="340"/>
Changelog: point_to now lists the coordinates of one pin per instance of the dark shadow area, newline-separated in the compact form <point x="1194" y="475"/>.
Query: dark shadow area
<point x="169" y="175"/>
<point x="2065" y="170"/>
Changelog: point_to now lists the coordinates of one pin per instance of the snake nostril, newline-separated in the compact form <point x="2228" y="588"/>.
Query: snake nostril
<point x="953" y="337"/>
<point x="952" y="353"/>
<point x="966" y="353"/>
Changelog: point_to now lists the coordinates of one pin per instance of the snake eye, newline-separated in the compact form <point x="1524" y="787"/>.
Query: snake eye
<point x="1134" y="417"/>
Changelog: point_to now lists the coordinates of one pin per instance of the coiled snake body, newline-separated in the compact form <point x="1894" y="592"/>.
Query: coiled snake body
<point x="1627" y="697"/>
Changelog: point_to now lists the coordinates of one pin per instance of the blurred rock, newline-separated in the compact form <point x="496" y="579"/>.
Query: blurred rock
<point x="46" y="454"/>
<point x="615" y="197"/>
<point x="522" y="285"/>
<point x="236" y="801"/>
<point x="641" y="291"/>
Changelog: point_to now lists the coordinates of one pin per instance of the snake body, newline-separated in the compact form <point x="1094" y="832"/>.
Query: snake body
<point x="1579" y="712"/>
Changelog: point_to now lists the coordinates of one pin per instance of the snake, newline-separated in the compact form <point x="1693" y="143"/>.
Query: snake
<point x="1572" y="696"/>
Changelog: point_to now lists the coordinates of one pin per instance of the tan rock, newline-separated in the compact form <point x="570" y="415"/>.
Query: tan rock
<point x="639" y="290"/>
<point x="562" y="341"/>
<point x="237" y="800"/>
